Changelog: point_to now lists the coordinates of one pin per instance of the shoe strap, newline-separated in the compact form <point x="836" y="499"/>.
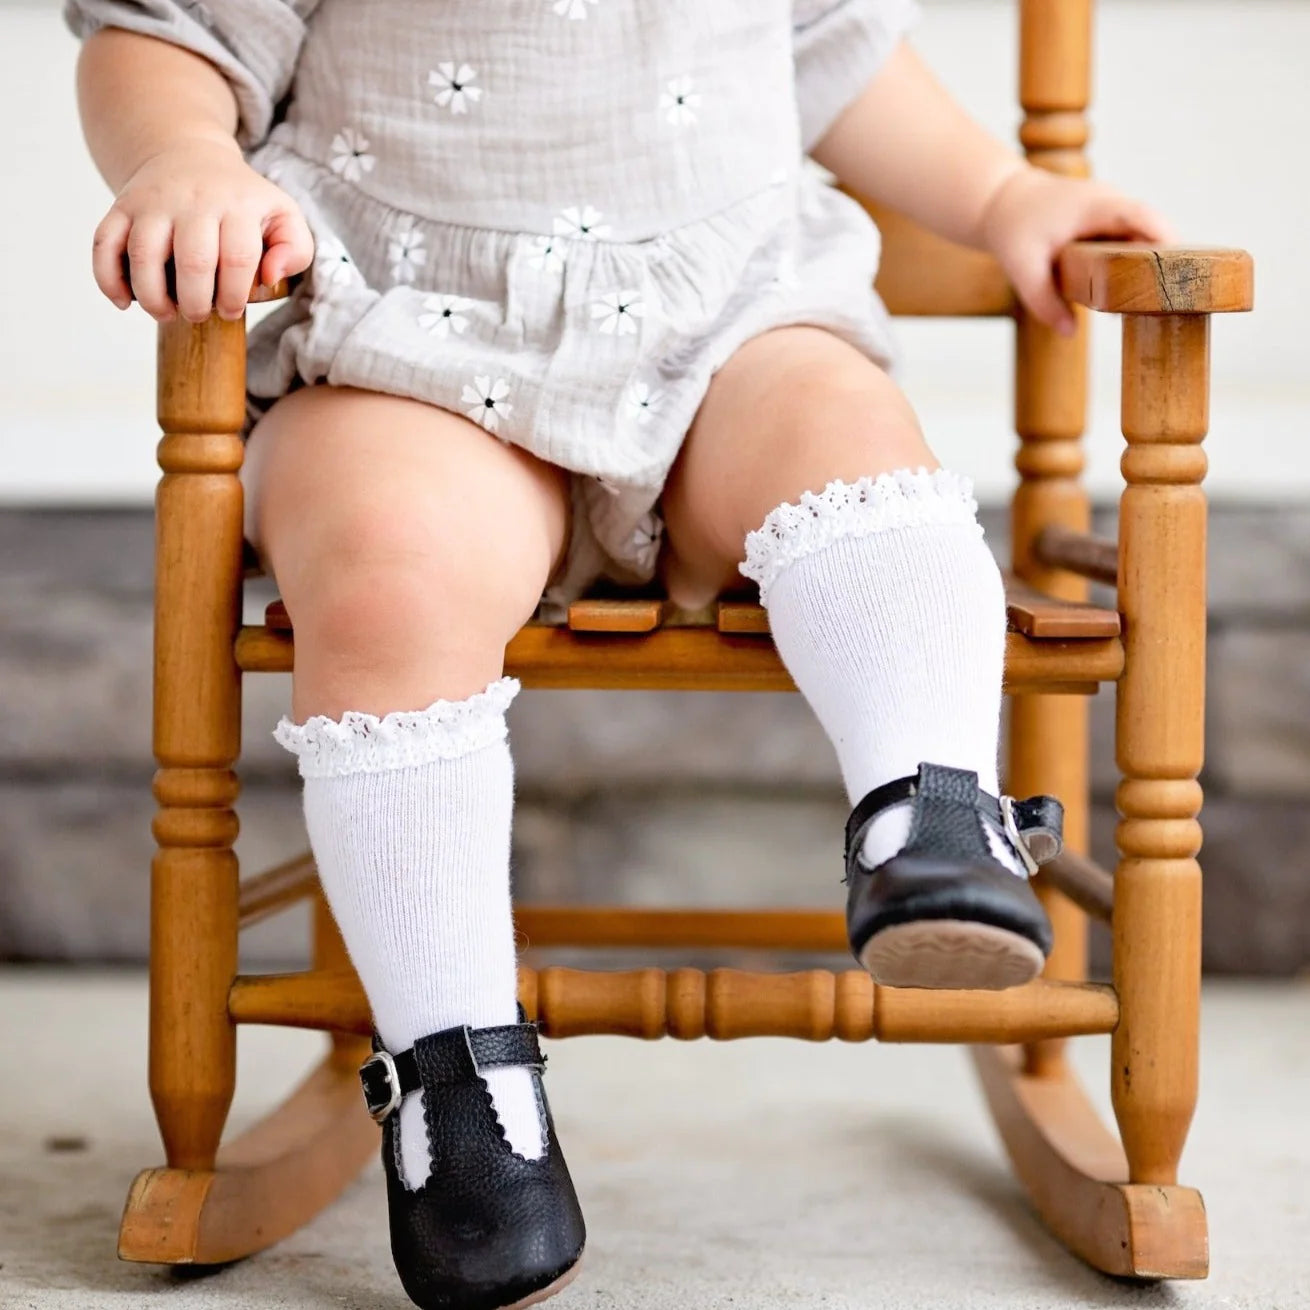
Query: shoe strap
<point x="387" y="1079"/>
<point x="1038" y="822"/>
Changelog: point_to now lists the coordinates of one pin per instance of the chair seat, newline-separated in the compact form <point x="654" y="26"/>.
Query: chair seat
<point x="1028" y="611"/>
<point x="642" y="641"/>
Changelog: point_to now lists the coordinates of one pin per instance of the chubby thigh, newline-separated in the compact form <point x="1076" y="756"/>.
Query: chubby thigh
<point x="408" y="544"/>
<point x="792" y="410"/>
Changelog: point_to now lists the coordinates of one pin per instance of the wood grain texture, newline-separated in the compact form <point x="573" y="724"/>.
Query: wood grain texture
<point x="745" y="618"/>
<point x="196" y="734"/>
<point x="1077" y="1177"/>
<point x="1054" y="643"/>
<point x="1083" y="882"/>
<point x="723" y="1004"/>
<point x="1130" y="278"/>
<point x="588" y="615"/>
<point x="1160" y="739"/>
<point x="1080" y="553"/>
<point x="1055" y="66"/>
<point x="1047" y="618"/>
<point x="268" y="1182"/>
<point x="699" y="659"/>
<point x="620" y="926"/>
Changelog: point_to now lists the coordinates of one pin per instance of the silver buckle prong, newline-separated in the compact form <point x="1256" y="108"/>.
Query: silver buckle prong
<point x="1015" y="836"/>
<point x="393" y="1082"/>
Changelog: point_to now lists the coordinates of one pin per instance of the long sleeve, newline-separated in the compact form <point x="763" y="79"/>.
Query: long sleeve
<point x="253" y="43"/>
<point x="839" y="46"/>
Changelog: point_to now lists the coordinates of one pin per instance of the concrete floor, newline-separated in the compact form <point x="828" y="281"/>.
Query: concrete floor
<point x="752" y="1176"/>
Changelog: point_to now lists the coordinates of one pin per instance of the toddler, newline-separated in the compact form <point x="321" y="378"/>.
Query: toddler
<point x="569" y="302"/>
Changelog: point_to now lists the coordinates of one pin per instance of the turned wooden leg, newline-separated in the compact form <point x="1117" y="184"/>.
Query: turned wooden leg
<point x="197" y="729"/>
<point x="1160" y="739"/>
<point x="1048" y="734"/>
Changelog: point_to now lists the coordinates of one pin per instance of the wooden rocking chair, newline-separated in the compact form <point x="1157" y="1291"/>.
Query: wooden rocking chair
<point x="1118" y="1206"/>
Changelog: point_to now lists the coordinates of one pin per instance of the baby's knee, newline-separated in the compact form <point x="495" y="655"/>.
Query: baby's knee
<point x="866" y="434"/>
<point x="382" y="585"/>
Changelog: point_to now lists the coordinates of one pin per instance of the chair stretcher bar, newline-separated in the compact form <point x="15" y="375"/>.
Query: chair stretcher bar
<point x="723" y="1004"/>
<point x="701" y="659"/>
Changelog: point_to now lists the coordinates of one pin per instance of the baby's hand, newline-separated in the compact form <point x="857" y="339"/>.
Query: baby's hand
<point x="200" y="204"/>
<point x="1034" y="214"/>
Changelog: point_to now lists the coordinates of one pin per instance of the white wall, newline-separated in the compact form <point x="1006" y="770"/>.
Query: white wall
<point x="1203" y="107"/>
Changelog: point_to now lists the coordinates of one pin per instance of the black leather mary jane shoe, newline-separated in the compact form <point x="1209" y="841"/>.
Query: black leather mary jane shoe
<point x="489" y="1230"/>
<point x="943" y="911"/>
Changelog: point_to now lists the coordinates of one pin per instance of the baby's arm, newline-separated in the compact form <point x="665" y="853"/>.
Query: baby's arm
<point x="161" y="124"/>
<point x="907" y="144"/>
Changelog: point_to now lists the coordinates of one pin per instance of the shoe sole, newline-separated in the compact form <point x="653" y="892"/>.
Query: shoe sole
<point x="546" y="1292"/>
<point x="951" y="953"/>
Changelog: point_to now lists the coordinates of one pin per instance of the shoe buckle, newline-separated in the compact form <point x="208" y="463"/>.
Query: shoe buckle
<point x="381" y="1084"/>
<point x="1015" y="836"/>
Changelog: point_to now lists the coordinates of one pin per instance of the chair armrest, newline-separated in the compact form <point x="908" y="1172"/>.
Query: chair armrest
<point x="1134" y="278"/>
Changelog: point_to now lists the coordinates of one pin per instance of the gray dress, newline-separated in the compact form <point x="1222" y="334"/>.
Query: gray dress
<point x="558" y="217"/>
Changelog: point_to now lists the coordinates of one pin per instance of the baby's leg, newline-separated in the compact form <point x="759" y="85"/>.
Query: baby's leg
<point x="409" y="546"/>
<point x="884" y="601"/>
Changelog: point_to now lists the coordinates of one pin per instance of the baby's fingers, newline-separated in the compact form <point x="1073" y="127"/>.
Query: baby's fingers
<point x="1117" y="216"/>
<point x="240" y="247"/>
<point x="290" y="246"/>
<point x="1035" y="284"/>
<point x="195" y="257"/>
<point x="1150" y="226"/>
<point x="108" y="247"/>
<point x="148" y="247"/>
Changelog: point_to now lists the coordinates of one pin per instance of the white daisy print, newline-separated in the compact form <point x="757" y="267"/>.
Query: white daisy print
<point x="641" y="402"/>
<point x="545" y="255"/>
<point x="581" y="221"/>
<point x="486" y="401"/>
<point x="332" y="265"/>
<point x="571" y="8"/>
<point x="405" y="251"/>
<point x="350" y="155"/>
<point x="645" y="541"/>
<point x="618" y="311"/>
<point x="678" y="102"/>
<point x="456" y="91"/>
<point x="445" y="314"/>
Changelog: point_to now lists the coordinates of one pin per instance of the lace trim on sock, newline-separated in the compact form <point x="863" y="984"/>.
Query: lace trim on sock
<point x="364" y="743"/>
<point x="904" y="498"/>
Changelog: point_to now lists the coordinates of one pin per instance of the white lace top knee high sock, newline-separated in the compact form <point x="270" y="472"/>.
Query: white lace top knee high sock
<point x="888" y="610"/>
<point x="409" y="820"/>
